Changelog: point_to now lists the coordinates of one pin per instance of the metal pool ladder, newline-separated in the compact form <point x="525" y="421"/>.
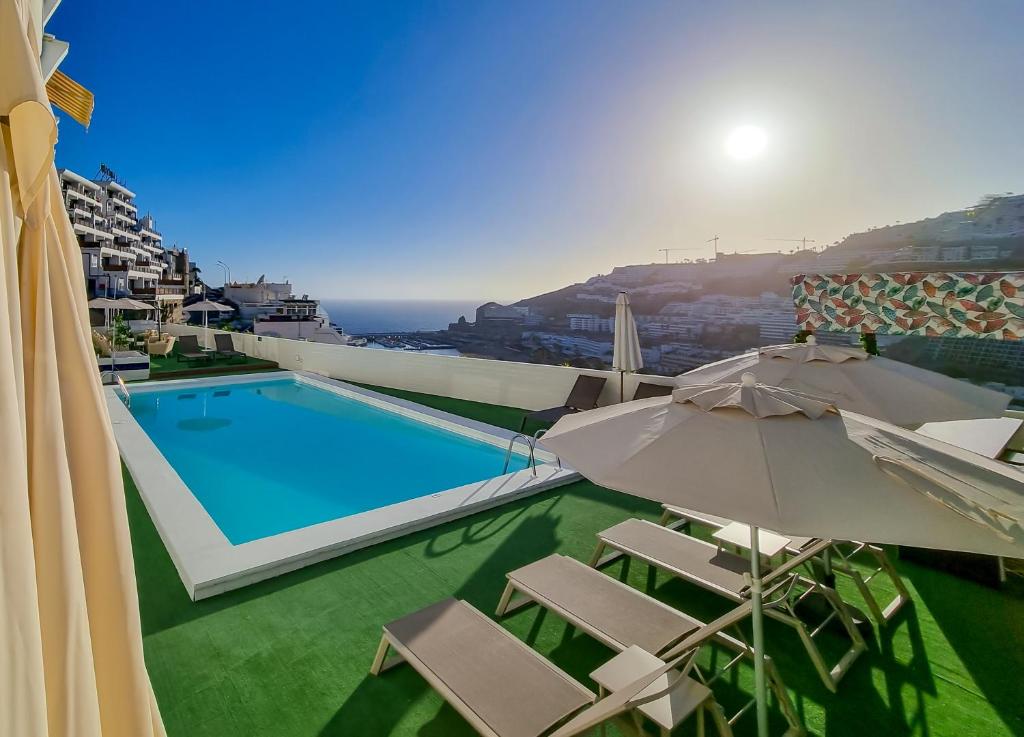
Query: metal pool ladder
<point x="531" y="443"/>
<point x="127" y="398"/>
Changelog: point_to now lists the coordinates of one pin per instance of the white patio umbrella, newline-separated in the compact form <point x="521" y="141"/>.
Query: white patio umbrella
<point x="787" y="461"/>
<point x="854" y="380"/>
<point x="626" y="355"/>
<point x="206" y="307"/>
<point x="105" y="304"/>
<point x="126" y="303"/>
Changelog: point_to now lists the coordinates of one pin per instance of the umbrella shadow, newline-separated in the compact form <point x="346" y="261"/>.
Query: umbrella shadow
<point x="984" y="627"/>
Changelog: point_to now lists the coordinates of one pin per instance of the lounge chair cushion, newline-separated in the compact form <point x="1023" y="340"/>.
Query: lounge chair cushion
<point x="490" y="673"/>
<point x="604" y="606"/>
<point x="682" y="555"/>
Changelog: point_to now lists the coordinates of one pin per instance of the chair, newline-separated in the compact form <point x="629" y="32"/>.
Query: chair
<point x="189" y="350"/>
<point x="621" y="617"/>
<point x="647" y="390"/>
<point x="161" y="346"/>
<point x="583" y="396"/>
<point x="101" y="343"/>
<point x="727" y="575"/>
<point x="225" y="346"/>
<point x="505" y="689"/>
<point x="840" y="556"/>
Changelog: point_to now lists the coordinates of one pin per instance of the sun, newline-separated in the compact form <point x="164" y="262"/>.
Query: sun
<point x="746" y="142"/>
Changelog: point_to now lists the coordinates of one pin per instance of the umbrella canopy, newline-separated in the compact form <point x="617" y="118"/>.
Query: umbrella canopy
<point x="792" y="463"/>
<point x="626" y="355"/>
<point x="125" y="303"/>
<point x="70" y="632"/>
<point x="789" y="461"/>
<point x="103" y="303"/>
<point x="854" y="380"/>
<point x="207" y="306"/>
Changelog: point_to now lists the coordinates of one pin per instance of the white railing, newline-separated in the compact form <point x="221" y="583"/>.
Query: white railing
<point x="509" y="383"/>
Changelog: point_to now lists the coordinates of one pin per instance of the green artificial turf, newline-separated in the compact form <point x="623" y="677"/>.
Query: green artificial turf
<point x="290" y="656"/>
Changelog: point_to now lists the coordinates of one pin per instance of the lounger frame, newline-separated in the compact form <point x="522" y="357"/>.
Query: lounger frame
<point x="382" y="663"/>
<point x="784" y="590"/>
<point x="840" y="556"/>
<point x="605" y="708"/>
<point x="527" y="596"/>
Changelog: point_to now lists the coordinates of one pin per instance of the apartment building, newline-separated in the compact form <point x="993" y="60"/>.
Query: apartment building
<point x="122" y="254"/>
<point x="588" y="323"/>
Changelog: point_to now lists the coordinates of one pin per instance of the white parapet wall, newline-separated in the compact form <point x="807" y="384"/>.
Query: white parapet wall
<point x="525" y="385"/>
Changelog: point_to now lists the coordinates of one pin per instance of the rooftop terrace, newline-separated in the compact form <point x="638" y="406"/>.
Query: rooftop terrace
<point x="290" y="656"/>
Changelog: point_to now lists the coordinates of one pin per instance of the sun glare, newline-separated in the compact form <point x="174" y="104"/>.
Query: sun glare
<point x="745" y="142"/>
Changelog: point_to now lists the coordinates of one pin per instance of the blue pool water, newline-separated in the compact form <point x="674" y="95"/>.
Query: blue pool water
<point x="276" y="455"/>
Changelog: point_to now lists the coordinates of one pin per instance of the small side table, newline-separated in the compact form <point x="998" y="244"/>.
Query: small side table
<point x="769" y="543"/>
<point x="670" y="710"/>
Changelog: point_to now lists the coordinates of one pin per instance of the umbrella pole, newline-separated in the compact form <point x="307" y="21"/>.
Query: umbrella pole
<point x="757" y="620"/>
<point x="622" y="387"/>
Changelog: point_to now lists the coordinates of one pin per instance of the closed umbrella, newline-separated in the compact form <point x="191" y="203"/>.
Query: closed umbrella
<point x="71" y="660"/>
<point x="626" y="355"/>
<point x="855" y="380"/>
<point x="790" y="462"/>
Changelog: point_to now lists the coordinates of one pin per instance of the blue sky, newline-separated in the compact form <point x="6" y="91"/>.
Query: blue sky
<point x="496" y="150"/>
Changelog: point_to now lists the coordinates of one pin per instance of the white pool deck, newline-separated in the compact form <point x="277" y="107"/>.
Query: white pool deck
<point x="209" y="564"/>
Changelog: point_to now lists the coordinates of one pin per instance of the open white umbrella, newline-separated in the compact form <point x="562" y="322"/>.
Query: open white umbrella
<point x="126" y="303"/>
<point x="206" y="307"/>
<point x="626" y="355"/>
<point x="105" y="304"/>
<point x="787" y="461"/>
<point x="854" y="380"/>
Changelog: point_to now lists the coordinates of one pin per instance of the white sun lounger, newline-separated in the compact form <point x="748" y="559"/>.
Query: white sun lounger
<point x="622" y="617"/>
<point x="727" y="574"/>
<point x="840" y="561"/>
<point x="501" y="686"/>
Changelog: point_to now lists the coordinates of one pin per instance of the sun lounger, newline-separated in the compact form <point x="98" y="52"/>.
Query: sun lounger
<point x="497" y="683"/>
<point x="583" y="396"/>
<point x="841" y="556"/>
<point x="225" y="346"/>
<point x="726" y="574"/>
<point x="647" y="390"/>
<point x="189" y="350"/>
<point x="622" y="617"/>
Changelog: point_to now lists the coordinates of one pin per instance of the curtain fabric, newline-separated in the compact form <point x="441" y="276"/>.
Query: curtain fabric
<point x="70" y="631"/>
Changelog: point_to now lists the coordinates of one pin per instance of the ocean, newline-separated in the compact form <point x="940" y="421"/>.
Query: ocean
<point x="397" y="316"/>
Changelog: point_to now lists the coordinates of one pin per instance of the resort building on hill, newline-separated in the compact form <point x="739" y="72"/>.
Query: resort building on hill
<point x="122" y="254"/>
<point x="275" y="312"/>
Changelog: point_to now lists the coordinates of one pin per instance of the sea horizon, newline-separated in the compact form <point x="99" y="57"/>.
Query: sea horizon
<point x="356" y="316"/>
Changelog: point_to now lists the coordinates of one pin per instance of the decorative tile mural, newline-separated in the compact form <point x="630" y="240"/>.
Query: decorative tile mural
<point x="952" y="305"/>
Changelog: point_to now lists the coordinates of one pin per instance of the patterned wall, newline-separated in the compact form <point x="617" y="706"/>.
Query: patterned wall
<point x="952" y="305"/>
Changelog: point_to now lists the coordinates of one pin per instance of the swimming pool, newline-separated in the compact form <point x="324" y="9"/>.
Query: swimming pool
<point x="266" y="457"/>
<point x="246" y="477"/>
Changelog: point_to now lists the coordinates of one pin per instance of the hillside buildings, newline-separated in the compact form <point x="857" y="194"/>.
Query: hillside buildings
<point x="123" y="254"/>
<point x="275" y="312"/>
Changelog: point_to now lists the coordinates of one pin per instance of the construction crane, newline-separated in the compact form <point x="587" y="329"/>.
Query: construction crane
<point x="715" y="239"/>
<point x="667" y="250"/>
<point x="802" y="241"/>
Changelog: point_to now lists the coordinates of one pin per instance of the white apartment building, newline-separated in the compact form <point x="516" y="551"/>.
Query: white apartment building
<point x="122" y="255"/>
<point x="774" y="315"/>
<point x="572" y="344"/>
<point x="588" y="323"/>
<point x="259" y="297"/>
